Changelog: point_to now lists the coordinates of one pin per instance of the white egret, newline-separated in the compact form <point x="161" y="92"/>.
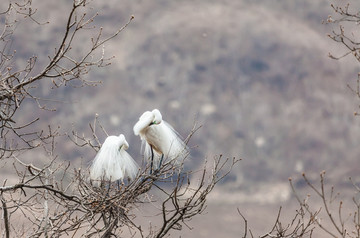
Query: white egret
<point x="159" y="139"/>
<point x="112" y="162"/>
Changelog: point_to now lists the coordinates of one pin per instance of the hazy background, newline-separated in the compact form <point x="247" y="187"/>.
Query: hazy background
<point x="256" y="74"/>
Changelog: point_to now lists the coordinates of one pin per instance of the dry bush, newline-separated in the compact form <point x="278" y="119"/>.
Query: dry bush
<point x="323" y="211"/>
<point x="55" y="199"/>
<point x="63" y="66"/>
<point x="346" y="18"/>
<point x="332" y="217"/>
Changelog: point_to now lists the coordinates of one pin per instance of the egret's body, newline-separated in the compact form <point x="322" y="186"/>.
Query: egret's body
<point x="112" y="162"/>
<point x="159" y="138"/>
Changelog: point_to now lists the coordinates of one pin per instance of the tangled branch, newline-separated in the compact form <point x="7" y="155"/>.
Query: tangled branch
<point x="62" y="67"/>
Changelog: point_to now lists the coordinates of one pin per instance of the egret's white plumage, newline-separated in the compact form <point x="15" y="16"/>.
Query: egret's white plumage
<point x="157" y="134"/>
<point x="112" y="162"/>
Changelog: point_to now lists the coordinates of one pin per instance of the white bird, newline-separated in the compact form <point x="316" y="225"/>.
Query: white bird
<point x="112" y="162"/>
<point x="159" y="137"/>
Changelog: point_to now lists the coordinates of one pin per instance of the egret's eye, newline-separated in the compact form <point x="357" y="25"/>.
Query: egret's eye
<point x="120" y="147"/>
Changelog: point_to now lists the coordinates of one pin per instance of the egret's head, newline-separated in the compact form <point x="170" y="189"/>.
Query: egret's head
<point x="157" y="117"/>
<point x="122" y="142"/>
<point x="147" y="119"/>
<point x="111" y="142"/>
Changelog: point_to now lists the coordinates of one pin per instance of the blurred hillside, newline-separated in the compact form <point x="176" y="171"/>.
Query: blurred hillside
<point x="255" y="74"/>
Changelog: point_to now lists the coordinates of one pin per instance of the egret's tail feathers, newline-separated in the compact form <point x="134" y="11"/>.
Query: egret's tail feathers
<point x="147" y="153"/>
<point x="128" y="164"/>
<point x="105" y="165"/>
<point x="176" y="149"/>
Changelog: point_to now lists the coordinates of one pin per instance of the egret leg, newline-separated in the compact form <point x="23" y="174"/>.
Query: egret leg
<point x="162" y="157"/>
<point x="152" y="159"/>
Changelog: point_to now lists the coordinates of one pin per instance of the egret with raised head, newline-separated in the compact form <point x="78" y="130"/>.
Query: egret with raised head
<point x="159" y="139"/>
<point x="112" y="162"/>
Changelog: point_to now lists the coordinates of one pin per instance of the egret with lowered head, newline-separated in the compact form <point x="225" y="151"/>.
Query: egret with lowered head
<point x="112" y="162"/>
<point x="159" y="139"/>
